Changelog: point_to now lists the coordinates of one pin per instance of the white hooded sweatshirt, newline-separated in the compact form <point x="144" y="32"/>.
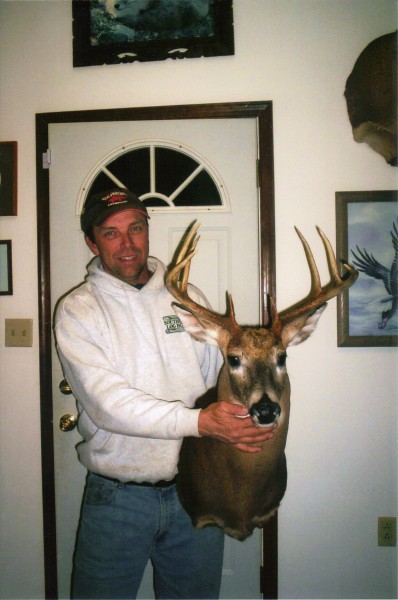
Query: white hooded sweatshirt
<point x="134" y="371"/>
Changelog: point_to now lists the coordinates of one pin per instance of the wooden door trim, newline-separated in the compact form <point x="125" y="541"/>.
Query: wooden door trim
<point x="262" y="111"/>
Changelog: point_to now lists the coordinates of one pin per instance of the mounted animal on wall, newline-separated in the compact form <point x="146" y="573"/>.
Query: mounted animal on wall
<point x="371" y="95"/>
<point x="218" y="484"/>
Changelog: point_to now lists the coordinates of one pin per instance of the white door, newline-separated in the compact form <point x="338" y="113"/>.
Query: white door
<point x="227" y="259"/>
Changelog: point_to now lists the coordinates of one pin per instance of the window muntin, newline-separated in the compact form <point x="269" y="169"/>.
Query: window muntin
<point x="165" y="175"/>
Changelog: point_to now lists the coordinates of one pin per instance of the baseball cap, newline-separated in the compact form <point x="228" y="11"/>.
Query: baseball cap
<point x="99" y="207"/>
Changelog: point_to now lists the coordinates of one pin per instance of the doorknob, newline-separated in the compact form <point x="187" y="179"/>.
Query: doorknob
<point x="67" y="422"/>
<point x="64" y="387"/>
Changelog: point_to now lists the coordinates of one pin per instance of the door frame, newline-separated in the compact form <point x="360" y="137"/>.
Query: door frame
<point x="262" y="112"/>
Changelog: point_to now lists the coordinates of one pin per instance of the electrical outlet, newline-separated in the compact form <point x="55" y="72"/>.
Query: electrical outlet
<point x="387" y="531"/>
<point x="18" y="332"/>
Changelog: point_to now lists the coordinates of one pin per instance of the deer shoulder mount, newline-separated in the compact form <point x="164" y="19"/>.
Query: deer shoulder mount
<point x="371" y="95"/>
<point x="218" y="484"/>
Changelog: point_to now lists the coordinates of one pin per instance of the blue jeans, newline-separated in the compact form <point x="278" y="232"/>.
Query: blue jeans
<point x="123" y="526"/>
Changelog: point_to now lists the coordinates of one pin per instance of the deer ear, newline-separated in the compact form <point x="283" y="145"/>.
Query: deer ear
<point x="300" y="328"/>
<point x="201" y="329"/>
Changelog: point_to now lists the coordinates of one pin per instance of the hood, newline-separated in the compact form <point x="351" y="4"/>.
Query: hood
<point x="108" y="283"/>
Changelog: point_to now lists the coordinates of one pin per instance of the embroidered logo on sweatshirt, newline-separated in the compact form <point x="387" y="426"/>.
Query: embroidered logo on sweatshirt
<point x="173" y="324"/>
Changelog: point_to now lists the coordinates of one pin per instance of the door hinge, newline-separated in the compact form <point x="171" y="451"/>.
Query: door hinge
<point x="47" y="159"/>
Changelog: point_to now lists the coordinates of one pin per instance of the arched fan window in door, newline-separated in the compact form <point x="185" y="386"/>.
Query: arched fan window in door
<point x="165" y="175"/>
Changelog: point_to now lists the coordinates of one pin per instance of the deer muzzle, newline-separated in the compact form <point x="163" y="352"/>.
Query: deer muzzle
<point x="265" y="412"/>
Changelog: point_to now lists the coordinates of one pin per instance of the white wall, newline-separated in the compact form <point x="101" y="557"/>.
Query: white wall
<point x="342" y="441"/>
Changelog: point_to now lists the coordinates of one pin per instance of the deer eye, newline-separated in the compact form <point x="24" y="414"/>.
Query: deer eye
<point x="233" y="361"/>
<point x="281" y="360"/>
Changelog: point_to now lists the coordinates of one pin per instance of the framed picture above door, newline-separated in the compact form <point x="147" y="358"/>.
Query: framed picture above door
<point x="121" y="32"/>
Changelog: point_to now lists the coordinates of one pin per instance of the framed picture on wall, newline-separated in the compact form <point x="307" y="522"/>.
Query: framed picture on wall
<point x="8" y="179"/>
<point x="367" y="237"/>
<point x="5" y="268"/>
<point x="112" y="32"/>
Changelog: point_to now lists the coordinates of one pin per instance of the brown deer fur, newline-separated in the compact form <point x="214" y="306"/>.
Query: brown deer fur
<point x="218" y="484"/>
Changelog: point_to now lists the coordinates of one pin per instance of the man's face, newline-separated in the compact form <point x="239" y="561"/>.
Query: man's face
<point x="122" y="243"/>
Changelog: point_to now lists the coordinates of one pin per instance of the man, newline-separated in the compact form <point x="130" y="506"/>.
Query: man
<point x="136" y="383"/>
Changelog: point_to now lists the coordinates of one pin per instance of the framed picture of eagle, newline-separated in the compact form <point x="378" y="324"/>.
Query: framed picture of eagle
<point x="367" y="237"/>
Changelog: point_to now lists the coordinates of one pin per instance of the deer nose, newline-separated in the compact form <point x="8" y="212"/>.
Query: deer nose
<point x="265" y="412"/>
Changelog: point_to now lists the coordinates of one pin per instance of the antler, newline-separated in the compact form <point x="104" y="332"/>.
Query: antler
<point x="177" y="282"/>
<point x="319" y="294"/>
<point x="178" y="273"/>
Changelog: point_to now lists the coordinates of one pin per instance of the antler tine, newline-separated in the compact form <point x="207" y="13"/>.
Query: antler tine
<point x="350" y="275"/>
<point x="319" y="294"/>
<point x="189" y="240"/>
<point x="315" y="279"/>
<point x="331" y="258"/>
<point x="192" y="251"/>
<point x="179" y="273"/>
<point x="177" y="282"/>
<point x="177" y="276"/>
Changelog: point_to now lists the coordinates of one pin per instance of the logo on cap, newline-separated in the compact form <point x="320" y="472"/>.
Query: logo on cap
<point x="115" y="198"/>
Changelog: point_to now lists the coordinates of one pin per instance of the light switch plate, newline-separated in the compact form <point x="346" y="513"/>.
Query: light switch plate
<point x="19" y="332"/>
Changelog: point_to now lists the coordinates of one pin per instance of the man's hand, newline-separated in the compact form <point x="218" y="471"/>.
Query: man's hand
<point x="232" y="424"/>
